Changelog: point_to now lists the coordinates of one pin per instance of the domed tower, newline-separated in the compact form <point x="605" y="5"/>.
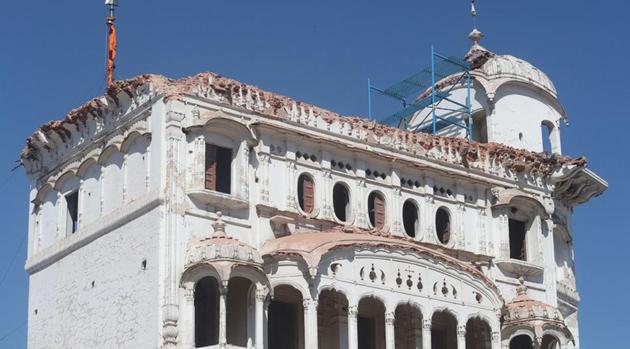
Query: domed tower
<point x="512" y="102"/>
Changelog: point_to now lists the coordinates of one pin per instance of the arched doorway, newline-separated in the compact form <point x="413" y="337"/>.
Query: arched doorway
<point x="371" y="324"/>
<point x="332" y="320"/>
<point x="478" y="334"/>
<point x="550" y="342"/>
<point x="408" y="327"/>
<point x="240" y="312"/>
<point x="206" y="312"/>
<point x="444" y="330"/>
<point x="286" y="319"/>
<point x="521" y="342"/>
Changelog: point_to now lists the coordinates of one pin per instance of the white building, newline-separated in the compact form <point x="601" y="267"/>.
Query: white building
<point x="205" y="212"/>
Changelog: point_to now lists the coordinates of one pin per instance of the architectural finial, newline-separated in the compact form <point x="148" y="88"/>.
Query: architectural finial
<point x="219" y="226"/>
<point x="475" y="35"/>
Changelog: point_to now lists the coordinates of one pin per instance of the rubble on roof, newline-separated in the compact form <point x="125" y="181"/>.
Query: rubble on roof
<point x="270" y="105"/>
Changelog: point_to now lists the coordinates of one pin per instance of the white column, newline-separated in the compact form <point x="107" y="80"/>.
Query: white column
<point x="417" y="337"/>
<point x="188" y="316"/>
<point x="461" y="337"/>
<point x="222" y="316"/>
<point x="426" y="334"/>
<point x="261" y="295"/>
<point x="353" y="333"/>
<point x="310" y="323"/>
<point x="390" y="335"/>
<point x="496" y="340"/>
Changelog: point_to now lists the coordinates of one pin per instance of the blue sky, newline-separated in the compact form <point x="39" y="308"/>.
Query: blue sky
<point x="322" y="52"/>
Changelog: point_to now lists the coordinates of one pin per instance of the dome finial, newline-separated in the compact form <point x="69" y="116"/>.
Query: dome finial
<point x="475" y="35"/>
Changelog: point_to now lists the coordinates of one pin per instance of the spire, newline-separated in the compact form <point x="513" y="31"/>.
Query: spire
<point x="475" y="35"/>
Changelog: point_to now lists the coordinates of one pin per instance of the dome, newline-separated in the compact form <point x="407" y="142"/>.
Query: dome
<point x="524" y="311"/>
<point x="222" y="248"/>
<point x="507" y="67"/>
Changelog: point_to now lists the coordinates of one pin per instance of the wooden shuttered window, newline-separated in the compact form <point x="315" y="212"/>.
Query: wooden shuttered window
<point x="306" y="193"/>
<point x="211" y="167"/>
<point x="218" y="168"/>
<point x="379" y="212"/>
<point x="376" y="208"/>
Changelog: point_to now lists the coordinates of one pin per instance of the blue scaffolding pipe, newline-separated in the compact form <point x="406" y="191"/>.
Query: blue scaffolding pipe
<point x="423" y="81"/>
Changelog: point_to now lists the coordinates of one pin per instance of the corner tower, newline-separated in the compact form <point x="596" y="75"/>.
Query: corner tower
<point x="512" y="102"/>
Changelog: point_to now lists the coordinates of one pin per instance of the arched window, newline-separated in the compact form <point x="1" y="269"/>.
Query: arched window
<point x="341" y="201"/>
<point x="550" y="342"/>
<point x="547" y="129"/>
<point x="286" y="319"/>
<point x="479" y="127"/>
<point x="443" y="330"/>
<point x="206" y="312"/>
<point x="306" y="193"/>
<point x="376" y="210"/>
<point x="518" y="225"/>
<point x="550" y="137"/>
<point x="443" y="225"/>
<point x="371" y="324"/>
<point x="410" y="218"/>
<point x="240" y="312"/>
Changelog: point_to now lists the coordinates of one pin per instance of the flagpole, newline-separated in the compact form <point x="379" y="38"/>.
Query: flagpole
<point x="111" y="40"/>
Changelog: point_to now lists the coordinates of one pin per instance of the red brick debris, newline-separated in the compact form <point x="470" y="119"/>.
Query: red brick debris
<point x="275" y="106"/>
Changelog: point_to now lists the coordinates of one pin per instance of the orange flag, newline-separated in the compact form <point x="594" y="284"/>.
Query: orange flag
<point x="111" y="54"/>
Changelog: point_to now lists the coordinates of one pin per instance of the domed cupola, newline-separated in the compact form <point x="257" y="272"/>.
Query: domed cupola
<point x="512" y="102"/>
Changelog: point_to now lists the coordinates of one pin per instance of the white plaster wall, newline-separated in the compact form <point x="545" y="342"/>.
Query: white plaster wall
<point x="113" y="182"/>
<point x="49" y="218"/>
<point x="90" y="196"/>
<point x="119" y="311"/>
<point x="519" y="110"/>
<point x="136" y="166"/>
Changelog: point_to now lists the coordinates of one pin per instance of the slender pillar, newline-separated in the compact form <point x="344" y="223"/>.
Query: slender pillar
<point x="461" y="337"/>
<point x="426" y="334"/>
<point x="353" y="333"/>
<point x="417" y="337"/>
<point x="188" y="315"/>
<point x="261" y="295"/>
<point x="496" y="340"/>
<point x="222" y="317"/>
<point x="390" y="335"/>
<point x="310" y="323"/>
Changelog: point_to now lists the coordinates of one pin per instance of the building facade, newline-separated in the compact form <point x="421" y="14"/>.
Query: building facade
<point x="207" y="213"/>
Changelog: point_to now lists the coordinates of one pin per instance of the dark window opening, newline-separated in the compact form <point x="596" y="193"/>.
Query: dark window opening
<point x="306" y="193"/>
<point x="410" y="218"/>
<point x="285" y="327"/>
<point x="218" y="168"/>
<point x="376" y="210"/>
<point x="521" y="342"/>
<point x="341" y="202"/>
<point x="546" y="137"/>
<point x="479" y="128"/>
<point x="367" y="335"/>
<point x="237" y="301"/>
<point x="72" y="203"/>
<point x="443" y="225"/>
<point x="517" y="239"/>
<point x="206" y="312"/>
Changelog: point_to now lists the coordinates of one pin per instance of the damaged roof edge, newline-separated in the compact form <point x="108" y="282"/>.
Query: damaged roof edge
<point x="267" y="104"/>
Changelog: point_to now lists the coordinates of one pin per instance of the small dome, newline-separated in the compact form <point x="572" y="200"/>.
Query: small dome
<point x="524" y="310"/>
<point x="221" y="247"/>
<point x="512" y="68"/>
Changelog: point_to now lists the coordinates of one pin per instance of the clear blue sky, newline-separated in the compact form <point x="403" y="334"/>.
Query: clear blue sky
<point x="52" y="60"/>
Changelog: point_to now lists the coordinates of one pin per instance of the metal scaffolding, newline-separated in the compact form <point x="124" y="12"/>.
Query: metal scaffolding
<point x="408" y="92"/>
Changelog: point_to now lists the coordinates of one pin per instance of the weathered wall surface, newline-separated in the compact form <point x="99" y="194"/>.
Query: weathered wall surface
<point x="100" y="296"/>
